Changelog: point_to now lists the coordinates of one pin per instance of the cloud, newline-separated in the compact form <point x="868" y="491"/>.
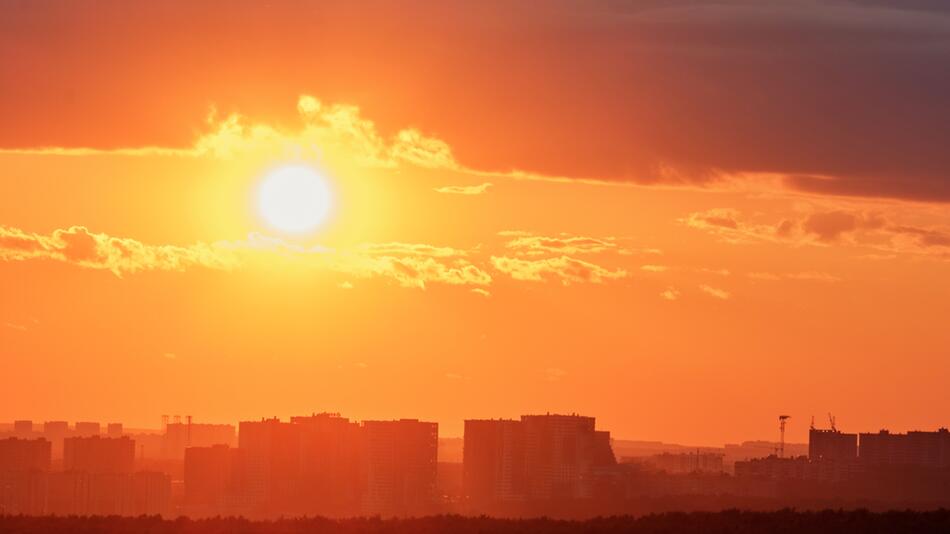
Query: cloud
<point x="563" y="269"/>
<point x="345" y="285"/>
<point x="670" y="293"/>
<point x="78" y="246"/>
<point x="806" y="275"/>
<point x="464" y="189"/>
<point x="715" y="292"/>
<point x="654" y="268"/>
<point x="15" y="326"/>
<point x="413" y="249"/>
<point x="411" y="271"/>
<point x="836" y="97"/>
<point x="483" y="292"/>
<point x="823" y="227"/>
<point x="830" y="226"/>
<point x="529" y="244"/>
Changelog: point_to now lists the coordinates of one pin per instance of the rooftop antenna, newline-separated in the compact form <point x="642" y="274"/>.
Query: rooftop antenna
<point x="188" y="436"/>
<point x="831" y="419"/>
<point x="812" y="426"/>
<point x="781" y="427"/>
<point x="164" y="423"/>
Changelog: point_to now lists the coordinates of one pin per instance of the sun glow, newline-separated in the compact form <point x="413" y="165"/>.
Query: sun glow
<point x="294" y="199"/>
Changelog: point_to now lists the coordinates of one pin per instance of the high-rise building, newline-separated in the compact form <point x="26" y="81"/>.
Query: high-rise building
<point x="924" y="449"/>
<point x="271" y="451"/>
<point x="493" y="461"/>
<point x="19" y="455"/>
<point x="213" y="480"/>
<point x="97" y="455"/>
<point x="310" y="465"/>
<point x="23" y="428"/>
<point x="24" y="464"/>
<point x="832" y="445"/>
<point x="562" y="452"/>
<point x="331" y="453"/>
<point x="55" y="432"/>
<point x="87" y="429"/>
<point x="114" y="430"/>
<point x="400" y="467"/>
<point x="179" y="436"/>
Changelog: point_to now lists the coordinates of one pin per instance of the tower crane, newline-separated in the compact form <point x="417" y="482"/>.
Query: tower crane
<point x="781" y="427"/>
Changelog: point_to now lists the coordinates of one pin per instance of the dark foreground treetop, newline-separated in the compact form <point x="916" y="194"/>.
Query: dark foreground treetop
<point x="732" y="522"/>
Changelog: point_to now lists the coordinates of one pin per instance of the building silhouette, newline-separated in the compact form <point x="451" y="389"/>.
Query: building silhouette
<point x="23" y="428"/>
<point x="179" y="436"/>
<point x="832" y="445"/>
<point x="915" y="448"/>
<point x="271" y="451"/>
<point x="688" y="462"/>
<point x="400" y="466"/>
<point x="25" y="455"/>
<point x="55" y="432"/>
<point x="214" y="483"/>
<point x="332" y="449"/>
<point x="97" y="455"/>
<point x="539" y="458"/>
<point x="87" y="429"/>
<point x="493" y="466"/>
<point x="562" y="452"/>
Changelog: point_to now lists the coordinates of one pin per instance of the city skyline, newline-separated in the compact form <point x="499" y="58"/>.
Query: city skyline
<point x="560" y="465"/>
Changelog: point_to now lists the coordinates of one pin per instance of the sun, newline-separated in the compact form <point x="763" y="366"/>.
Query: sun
<point x="294" y="198"/>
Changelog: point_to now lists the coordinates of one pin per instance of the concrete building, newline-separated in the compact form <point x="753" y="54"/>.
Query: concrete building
<point x="400" y="467"/>
<point x="213" y="480"/>
<point x="24" y="455"/>
<point x="493" y="461"/>
<point x="114" y="430"/>
<point x="271" y="451"/>
<point x="688" y="462"/>
<point x="97" y="455"/>
<point x="87" y="429"/>
<point x="179" y="436"/>
<point x="55" y="432"/>
<point x="330" y="471"/>
<point x="832" y="445"/>
<point x="915" y="448"/>
<point x="23" y="429"/>
<point x="561" y="454"/>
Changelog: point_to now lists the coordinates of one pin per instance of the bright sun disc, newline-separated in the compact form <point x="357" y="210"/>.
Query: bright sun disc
<point x="294" y="199"/>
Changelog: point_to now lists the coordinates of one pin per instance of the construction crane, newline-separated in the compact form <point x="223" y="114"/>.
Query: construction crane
<point x="831" y="419"/>
<point x="781" y="427"/>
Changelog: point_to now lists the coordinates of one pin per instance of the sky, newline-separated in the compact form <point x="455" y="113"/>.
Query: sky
<point x="683" y="218"/>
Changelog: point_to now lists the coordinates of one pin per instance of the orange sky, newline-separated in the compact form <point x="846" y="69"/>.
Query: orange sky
<point x="681" y="219"/>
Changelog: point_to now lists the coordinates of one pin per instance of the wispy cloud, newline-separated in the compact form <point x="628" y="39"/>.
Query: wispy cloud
<point x="670" y="293"/>
<point x="464" y="189"/>
<point x="79" y="246"/>
<point x="826" y="227"/>
<point x="715" y="292"/>
<point x="806" y="275"/>
<point x="563" y="269"/>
